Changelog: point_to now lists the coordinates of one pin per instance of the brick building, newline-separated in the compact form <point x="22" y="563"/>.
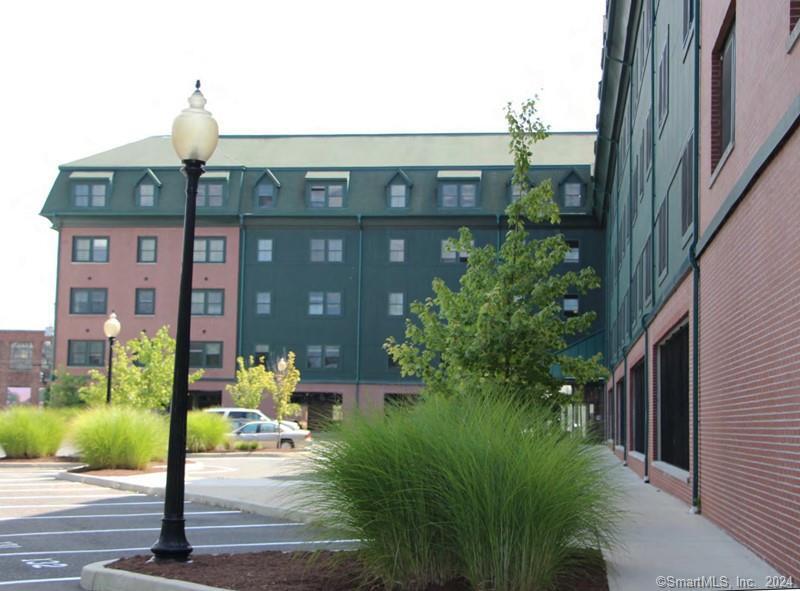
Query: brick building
<point x="697" y="165"/>
<point x="25" y="365"/>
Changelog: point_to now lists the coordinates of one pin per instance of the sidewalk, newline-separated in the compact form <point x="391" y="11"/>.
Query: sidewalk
<point x="663" y="539"/>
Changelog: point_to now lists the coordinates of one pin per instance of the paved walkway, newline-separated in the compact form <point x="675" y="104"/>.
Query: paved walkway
<point x="663" y="539"/>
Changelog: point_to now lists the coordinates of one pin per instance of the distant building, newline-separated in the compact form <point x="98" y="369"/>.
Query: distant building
<point x="25" y="365"/>
<point x="315" y="244"/>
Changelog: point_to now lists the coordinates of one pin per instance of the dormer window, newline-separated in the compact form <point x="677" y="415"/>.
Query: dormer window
<point x="458" y="188"/>
<point x="326" y="189"/>
<point x="573" y="194"/>
<point x="210" y="194"/>
<point x="266" y="191"/>
<point x="398" y="195"/>
<point x="90" y="188"/>
<point x="147" y="189"/>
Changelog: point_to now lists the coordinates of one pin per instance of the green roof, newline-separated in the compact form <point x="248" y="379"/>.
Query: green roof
<point x="350" y="151"/>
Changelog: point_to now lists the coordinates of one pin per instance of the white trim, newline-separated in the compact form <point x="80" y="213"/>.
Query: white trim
<point x="216" y="175"/>
<point x="636" y="454"/>
<point x="673" y="471"/>
<point x="459" y="174"/>
<point x="91" y="175"/>
<point x="329" y="175"/>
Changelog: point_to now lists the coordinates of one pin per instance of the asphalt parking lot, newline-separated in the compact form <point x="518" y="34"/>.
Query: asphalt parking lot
<point x="50" y="529"/>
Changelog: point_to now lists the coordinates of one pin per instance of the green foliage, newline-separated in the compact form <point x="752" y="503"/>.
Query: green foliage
<point x="504" y="326"/>
<point x="64" y="390"/>
<point x="469" y="485"/>
<point x="246" y="445"/>
<point x="282" y="386"/>
<point x="142" y="373"/>
<point x="29" y="432"/>
<point x="205" y="431"/>
<point x="251" y="381"/>
<point x="120" y="437"/>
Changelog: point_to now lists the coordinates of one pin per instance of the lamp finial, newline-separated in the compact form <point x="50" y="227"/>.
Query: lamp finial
<point x="197" y="85"/>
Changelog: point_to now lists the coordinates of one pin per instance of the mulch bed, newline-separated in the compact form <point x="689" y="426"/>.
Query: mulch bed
<point x="300" y="571"/>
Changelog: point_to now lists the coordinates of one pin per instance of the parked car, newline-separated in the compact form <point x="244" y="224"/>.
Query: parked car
<point x="266" y="434"/>
<point x="240" y="416"/>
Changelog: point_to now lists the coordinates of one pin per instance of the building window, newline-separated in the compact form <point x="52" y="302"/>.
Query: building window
<point x="145" y="301"/>
<point x="21" y="357"/>
<point x="326" y="196"/>
<point x="86" y="353"/>
<point x="208" y="302"/>
<point x="688" y="17"/>
<point x="146" y="249"/>
<point x="265" y="195"/>
<point x="687" y="186"/>
<point x="205" y="354"/>
<point x="648" y="269"/>
<point x="89" y="194"/>
<point x="88" y="301"/>
<point x="397" y="250"/>
<point x="330" y="250"/>
<point x="662" y="223"/>
<point x="723" y="111"/>
<point x="570" y="305"/>
<point x="450" y="255"/>
<point x="673" y="399"/>
<point x="322" y="357"/>
<point x="209" y="250"/>
<point x="89" y="250"/>
<point x="574" y="252"/>
<point x="262" y="355"/>
<point x="794" y="14"/>
<point x="573" y="195"/>
<point x="264" y="303"/>
<point x="648" y="142"/>
<point x="459" y="194"/>
<point x="396" y="304"/>
<point x="210" y="194"/>
<point x="398" y="195"/>
<point x="324" y="303"/>
<point x="264" y="252"/>
<point x="663" y="84"/>
<point x="515" y="192"/>
<point x="146" y="195"/>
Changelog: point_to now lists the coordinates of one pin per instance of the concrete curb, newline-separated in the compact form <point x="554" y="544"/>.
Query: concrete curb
<point x="222" y="502"/>
<point x="96" y="577"/>
<point x="14" y="464"/>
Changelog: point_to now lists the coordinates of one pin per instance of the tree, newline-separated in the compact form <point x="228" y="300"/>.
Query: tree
<point x="251" y="381"/>
<point x="282" y="387"/>
<point x="505" y="325"/>
<point x="143" y="372"/>
<point x="64" y="390"/>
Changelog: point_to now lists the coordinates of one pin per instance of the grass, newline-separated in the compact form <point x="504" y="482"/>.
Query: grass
<point x="29" y="432"/>
<point x="206" y="431"/>
<point x="245" y="445"/>
<point x="471" y="487"/>
<point x="120" y="437"/>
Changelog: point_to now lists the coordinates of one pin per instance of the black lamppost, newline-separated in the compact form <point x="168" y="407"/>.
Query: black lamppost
<point x="194" y="137"/>
<point x="111" y="328"/>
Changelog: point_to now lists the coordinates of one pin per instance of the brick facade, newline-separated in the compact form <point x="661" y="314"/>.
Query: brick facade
<point x="21" y="384"/>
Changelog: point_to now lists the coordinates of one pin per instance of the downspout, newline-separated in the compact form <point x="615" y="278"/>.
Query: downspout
<point x="358" y="309"/>
<point x="241" y="286"/>
<point x="696" y="272"/>
<point x="498" y="235"/>
<point x="56" y="226"/>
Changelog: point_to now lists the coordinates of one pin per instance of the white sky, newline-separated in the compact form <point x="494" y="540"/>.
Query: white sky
<point x="80" y="77"/>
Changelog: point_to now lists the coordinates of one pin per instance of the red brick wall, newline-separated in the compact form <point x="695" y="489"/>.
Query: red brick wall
<point x="750" y="368"/>
<point x="18" y="378"/>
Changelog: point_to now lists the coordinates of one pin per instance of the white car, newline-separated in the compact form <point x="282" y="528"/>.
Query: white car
<point x="240" y="416"/>
<point x="265" y="433"/>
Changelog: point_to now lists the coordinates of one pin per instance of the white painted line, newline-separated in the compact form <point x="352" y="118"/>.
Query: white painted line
<point x="110" y="531"/>
<point x="82" y="496"/>
<point x="113" y="515"/>
<point x="30" y="581"/>
<point x="44" y="488"/>
<point x="208" y="546"/>
<point x="85" y="506"/>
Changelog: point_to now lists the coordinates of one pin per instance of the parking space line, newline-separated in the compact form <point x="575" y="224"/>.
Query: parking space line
<point x="81" y="496"/>
<point x="79" y="505"/>
<point x="204" y="546"/>
<point x="33" y="581"/>
<point x="140" y="529"/>
<point x="114" y="515"/>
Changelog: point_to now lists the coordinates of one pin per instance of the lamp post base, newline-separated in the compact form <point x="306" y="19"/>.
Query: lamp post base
<point x="172" y="544"/>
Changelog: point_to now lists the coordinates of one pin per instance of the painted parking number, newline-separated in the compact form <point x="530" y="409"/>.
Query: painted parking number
<point x="44" y="563"/>
<point x="7" y="545"/>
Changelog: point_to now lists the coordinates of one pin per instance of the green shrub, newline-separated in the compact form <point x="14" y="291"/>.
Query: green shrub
<point x="29" y="432"/>
<point x="120" y="437"/>
<point x="246" y="445"/>
<point x="205" y="431"/>
<point x="470" y="486"/>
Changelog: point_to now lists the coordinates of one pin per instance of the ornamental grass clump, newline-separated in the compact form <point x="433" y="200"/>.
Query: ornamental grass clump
<point x="29" y="432"/>
<point x="120" y="437"/>
<point x="469" y="486"/>
<point x="205" y="431"/>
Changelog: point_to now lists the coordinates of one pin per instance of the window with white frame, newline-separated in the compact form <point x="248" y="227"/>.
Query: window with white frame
<point x="89" y="194"/>
<point x="210" y="194"/>
<point x="208" y="302"/>
<point x="574" y="252"/>
<point x="458" y="194"/>
<point x="263" y="303"/>
<point x="326" y="195"/>
<point x="87" y="249"/>
<point x="397" y="250"/>
<point x="209" y="250"/>
<point x="264" y="250"/>
<point x="327" y="250"/>
<point x="265" y="195"/>
<point x="396" y="300"/>
<point x="146" y="195"/>
<point x="570" y="305"/>
<point x="398" y="195"/>
<point x="324" y="303"/>
<point x="573" y="195"/>
<point x="146" y="249"/>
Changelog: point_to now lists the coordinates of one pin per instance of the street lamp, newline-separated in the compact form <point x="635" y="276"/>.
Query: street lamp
<point x="111" y="328"/>
<point x="281" y="376"/>
<point x="194" y="137"/>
